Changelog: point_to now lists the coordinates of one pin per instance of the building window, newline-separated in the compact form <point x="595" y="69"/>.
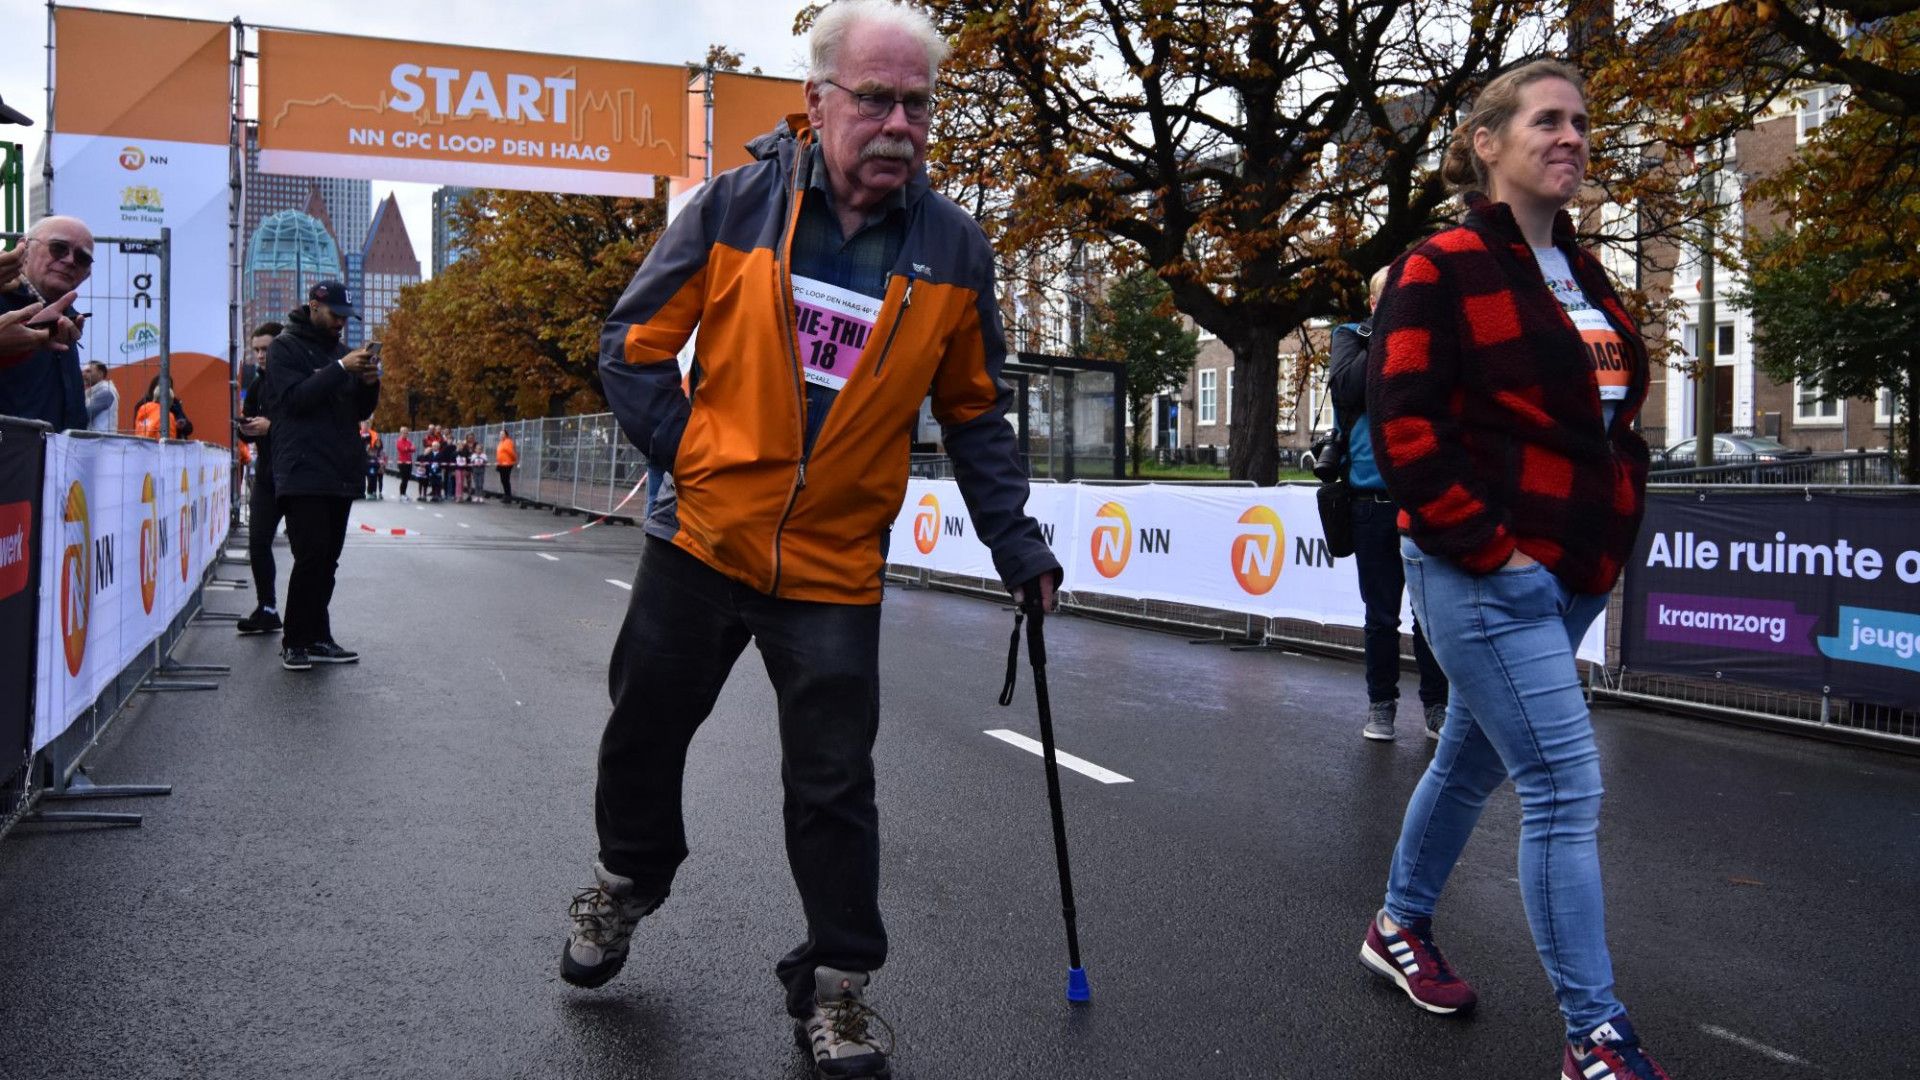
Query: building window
<point x="1885" y="408"/>
<point x="1723" y="346"/>
<point x="1229" y="395"/>
<point x="1811" y="406"/>
<point x="1209" y="407"/>
<point x="1819" y="105"/>
<point x="1289" y="402"/>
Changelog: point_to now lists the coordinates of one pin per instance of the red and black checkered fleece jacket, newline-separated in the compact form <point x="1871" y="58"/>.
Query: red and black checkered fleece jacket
<point x="1486" y="414"/>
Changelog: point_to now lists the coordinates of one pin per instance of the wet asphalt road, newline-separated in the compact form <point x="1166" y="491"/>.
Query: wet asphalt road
<point x="362" y="872"/>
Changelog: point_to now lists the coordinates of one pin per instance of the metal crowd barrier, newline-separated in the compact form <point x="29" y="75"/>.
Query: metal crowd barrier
<point x="584" y="464"/>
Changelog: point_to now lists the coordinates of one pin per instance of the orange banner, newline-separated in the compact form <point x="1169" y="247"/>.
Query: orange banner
<point x="140" y="77"/>
<point x="371" y="108"/>
<point x="746" y="107"/>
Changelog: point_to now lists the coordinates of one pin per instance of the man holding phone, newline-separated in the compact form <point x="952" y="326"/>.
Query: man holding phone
<point x="317" y="392"/>
<point x="40" y="375"/>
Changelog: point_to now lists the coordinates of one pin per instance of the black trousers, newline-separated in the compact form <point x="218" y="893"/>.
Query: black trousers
<point x="406" y="474"/>
<point x="506" y="480"/>
<point x="316" y="530"/>
<point x="686" y="625"/>
<point x="263" y="520"/>
<point x="1383" y="578"/>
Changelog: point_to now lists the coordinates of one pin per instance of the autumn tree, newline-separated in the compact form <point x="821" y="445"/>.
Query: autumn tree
<point x="1696" y="80"/>
<point x="1261" y="158"/>
<point x="1135" y="324"/>
<point x="1851" y="349"/>
<point x="512" y="328"/>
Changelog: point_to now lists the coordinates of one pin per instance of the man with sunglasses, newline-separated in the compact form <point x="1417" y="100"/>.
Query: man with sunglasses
<point x="833" y="292"/>
<point x="40" y="375"/>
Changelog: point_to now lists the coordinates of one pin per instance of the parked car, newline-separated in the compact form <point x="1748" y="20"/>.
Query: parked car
<point x="1731" y="450"/>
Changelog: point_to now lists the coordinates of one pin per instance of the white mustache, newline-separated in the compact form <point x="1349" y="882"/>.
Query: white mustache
<point x="883" y="147"/>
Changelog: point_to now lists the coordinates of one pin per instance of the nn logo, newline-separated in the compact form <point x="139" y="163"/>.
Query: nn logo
<point x="926" y="524"/>
<point x="76" y="577"/>
<point x="150" y="543"/>
<point x="1112" y="539"/>
<point x="1256" y="550"/>
<point x="186" y="524"/>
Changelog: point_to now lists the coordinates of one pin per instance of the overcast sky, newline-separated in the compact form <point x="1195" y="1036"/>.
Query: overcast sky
<point x="654" y="31"/>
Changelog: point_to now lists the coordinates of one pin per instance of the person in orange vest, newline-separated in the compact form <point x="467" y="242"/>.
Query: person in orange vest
<point x="146" y="420"/>
<point x="505" y="457"/>
<point x="376" y="476"/>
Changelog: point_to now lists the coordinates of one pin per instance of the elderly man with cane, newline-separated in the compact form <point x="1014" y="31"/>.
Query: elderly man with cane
<point x="832" y="291"/>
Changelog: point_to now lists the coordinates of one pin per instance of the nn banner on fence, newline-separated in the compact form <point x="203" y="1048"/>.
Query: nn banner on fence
<point x="1258" y="551"/>
<point x="128" y="528"/>
<point x="1803" y="591"/>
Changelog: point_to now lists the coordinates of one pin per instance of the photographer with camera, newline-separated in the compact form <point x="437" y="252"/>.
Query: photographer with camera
<point x="1375" y="539"/>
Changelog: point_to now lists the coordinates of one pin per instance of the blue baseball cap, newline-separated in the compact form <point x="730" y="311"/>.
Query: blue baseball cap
<point x="334" y="295"/>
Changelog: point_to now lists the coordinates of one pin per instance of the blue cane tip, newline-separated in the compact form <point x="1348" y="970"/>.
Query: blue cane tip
<point x="1077" y="989"/>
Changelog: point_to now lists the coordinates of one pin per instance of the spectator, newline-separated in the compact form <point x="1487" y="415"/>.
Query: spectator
<point x="146" y="419"/>
<point x="263" y="503"/>
<point x="477" y="462"/>
<point x="776" y="530"/>
<point x="40" y="366"/>
<point x="103" y="399"/>
<point x="403" y="457"/>
<point x="376" y="456"/>
<point x="506" y="455"/>
<point x="1511" y="451"/>
<point x="317" y="392"/>
<point x="1376" y="543"/>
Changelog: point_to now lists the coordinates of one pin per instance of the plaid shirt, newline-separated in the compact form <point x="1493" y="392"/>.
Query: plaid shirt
<point x="1485" y="413"/>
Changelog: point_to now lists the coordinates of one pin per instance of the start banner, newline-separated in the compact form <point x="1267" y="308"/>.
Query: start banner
<point x="1805" y="591"/>
<point x="374" y="109"/>
<point x="1254" y="550"/>
<point x="128" y="528"/>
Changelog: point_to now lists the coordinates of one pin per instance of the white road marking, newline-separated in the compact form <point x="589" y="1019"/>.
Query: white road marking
<point x="618" y="584"/>
<point x="1757" y="1047"/>
<point x="439" y="515"/>
<point x="1066" y="760"/>
<point x="464" y="525"/>
<point x="549" y="558"/>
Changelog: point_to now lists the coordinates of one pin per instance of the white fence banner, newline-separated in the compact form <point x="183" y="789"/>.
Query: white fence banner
<point x="1254" y="550"/>
<point x="129" y="529"/>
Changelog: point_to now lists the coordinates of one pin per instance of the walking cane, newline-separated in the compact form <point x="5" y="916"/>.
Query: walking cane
<point x="1033" y="615"/>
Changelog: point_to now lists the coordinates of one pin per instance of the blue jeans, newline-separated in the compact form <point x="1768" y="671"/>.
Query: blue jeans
<point x="1507" y="641"/>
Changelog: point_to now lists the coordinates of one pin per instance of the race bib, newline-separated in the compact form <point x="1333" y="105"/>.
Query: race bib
<point x="1606" y="352"/>
<point x="832" y="326"/>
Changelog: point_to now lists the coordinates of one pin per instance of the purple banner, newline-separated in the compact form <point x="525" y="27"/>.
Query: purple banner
<point x="1730" y="622"/>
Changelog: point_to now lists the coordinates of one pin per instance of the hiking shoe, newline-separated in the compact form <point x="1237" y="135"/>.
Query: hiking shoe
<point x="1610" y="1052"/>
<point x="1411" y="959"/>
<point x="330" y="652"/>
<point x="603" y="919"/>
<point x="839" y="1034"/>
<point x="1380" y="721"/>
<point x="262" y="621"/>
<point x="295" y="658"/>
<point x="1436" y="719"/>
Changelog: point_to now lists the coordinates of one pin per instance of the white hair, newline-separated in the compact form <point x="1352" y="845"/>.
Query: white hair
<point x="837" y="22"/>
<point x="46" y="224"/>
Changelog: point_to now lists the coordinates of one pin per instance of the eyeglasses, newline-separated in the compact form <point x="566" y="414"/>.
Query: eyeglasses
<point x="880" y="106"/>
<point x="60" y="249"/>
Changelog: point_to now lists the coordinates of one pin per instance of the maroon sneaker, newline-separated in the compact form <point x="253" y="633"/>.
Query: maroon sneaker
<point x="1411" y="959"/>
<point x="1610" y="1052"/>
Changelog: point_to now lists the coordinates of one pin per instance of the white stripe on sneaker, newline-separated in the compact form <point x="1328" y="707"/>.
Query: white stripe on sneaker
<point x="1598" y="1068"/>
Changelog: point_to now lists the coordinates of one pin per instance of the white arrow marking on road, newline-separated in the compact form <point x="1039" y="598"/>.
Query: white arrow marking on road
<point x="549" y="558"/>
<point x="619" y="584"/>
<point x="1067" y="761"/>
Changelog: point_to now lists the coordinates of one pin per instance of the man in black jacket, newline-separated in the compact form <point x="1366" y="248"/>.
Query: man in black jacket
<point x="316" y="395"/>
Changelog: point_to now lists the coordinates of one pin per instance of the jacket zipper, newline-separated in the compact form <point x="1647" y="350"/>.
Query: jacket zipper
<point x="783" y="282"/>
<point x="887" y="346"/>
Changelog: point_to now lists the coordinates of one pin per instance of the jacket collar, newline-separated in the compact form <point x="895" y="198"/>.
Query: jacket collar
<point x="1497" y="218"/>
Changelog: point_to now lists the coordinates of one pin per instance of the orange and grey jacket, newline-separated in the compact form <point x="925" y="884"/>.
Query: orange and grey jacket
<point x="750" y="502"/>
